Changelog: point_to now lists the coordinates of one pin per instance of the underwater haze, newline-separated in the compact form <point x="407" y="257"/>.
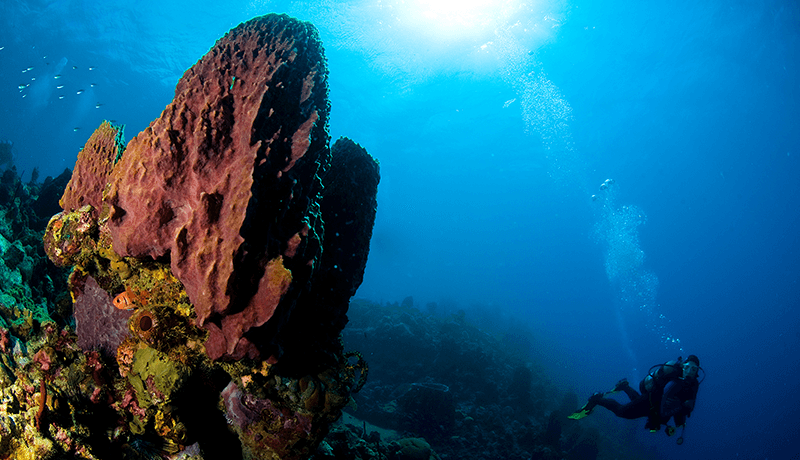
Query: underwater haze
<point x="618" y="179"/>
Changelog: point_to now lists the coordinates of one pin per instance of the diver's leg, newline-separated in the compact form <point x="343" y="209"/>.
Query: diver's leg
<point x="623" y="385"/>
<point x="632" y="394"/>
<point x="634" y="409"/>
<point x="612" y="405"/>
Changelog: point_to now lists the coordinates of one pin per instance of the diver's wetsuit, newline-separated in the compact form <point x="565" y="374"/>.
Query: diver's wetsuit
<point x="676" y="394"/>
<point x="638" y="407"/>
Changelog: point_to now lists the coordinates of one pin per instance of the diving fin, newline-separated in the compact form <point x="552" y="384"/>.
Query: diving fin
<point x="587" y="408"/>
<point x="619" y="386"/>
<point x="582" y="413"/>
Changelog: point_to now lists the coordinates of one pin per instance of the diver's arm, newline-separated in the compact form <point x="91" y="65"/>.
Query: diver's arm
<point x="670" y="402"/>
<point x="692" y="397"/>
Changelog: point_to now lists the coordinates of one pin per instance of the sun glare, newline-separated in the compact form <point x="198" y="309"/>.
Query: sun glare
<point x="452" y="19"/>
<point x="424" y="37"/>
<point x="457" y="12"/>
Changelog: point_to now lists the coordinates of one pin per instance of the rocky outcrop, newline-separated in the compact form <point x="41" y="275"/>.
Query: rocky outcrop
<point x="214" y="260"/>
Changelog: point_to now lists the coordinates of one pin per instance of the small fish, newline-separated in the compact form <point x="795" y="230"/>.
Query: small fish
<point x="57" y="77"/>
<point x="2" y="48"/>
<point x="80" y="91"/>
<point x="61" y="97"/>
<point x="74" y="67"/>
<point x="92" y="68"/>
<point x="59" y="86"/>
<point x="33" y="78"/>
<point x="76" y="128"/>
<point x="22" y="86"/>
<point x="93" y="85"/>
<point x="123" y="301"/>
<point x="98" y="105"/>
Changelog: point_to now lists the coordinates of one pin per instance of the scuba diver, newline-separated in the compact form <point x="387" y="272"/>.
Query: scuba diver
<point x="668" y="391"/>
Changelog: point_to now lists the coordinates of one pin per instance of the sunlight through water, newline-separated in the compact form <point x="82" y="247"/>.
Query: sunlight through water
<point x="451" y="18"/>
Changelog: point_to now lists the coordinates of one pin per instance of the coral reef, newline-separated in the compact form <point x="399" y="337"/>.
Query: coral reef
<point x="29" y="283"/>
<point x="428" y="407"/>
<point x="466" y="393"/>
<point x="212" y="262"/>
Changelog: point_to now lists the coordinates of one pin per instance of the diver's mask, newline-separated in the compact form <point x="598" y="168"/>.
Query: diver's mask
<point x="689" y="369"/>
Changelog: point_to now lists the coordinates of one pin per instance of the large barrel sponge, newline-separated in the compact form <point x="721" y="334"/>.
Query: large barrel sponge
<point x="225" y="183"/>
<point x="95" y="162"/>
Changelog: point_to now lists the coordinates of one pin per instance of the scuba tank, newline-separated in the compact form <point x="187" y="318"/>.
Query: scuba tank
<point x="659" y="374"/>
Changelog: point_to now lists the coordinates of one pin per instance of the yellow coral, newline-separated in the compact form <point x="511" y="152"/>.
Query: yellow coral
<point x="279" y="276"/>
<point x="32" y="445"/>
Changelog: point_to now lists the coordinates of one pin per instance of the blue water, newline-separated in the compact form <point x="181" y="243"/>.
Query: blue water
<point x="495" y="123"/>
